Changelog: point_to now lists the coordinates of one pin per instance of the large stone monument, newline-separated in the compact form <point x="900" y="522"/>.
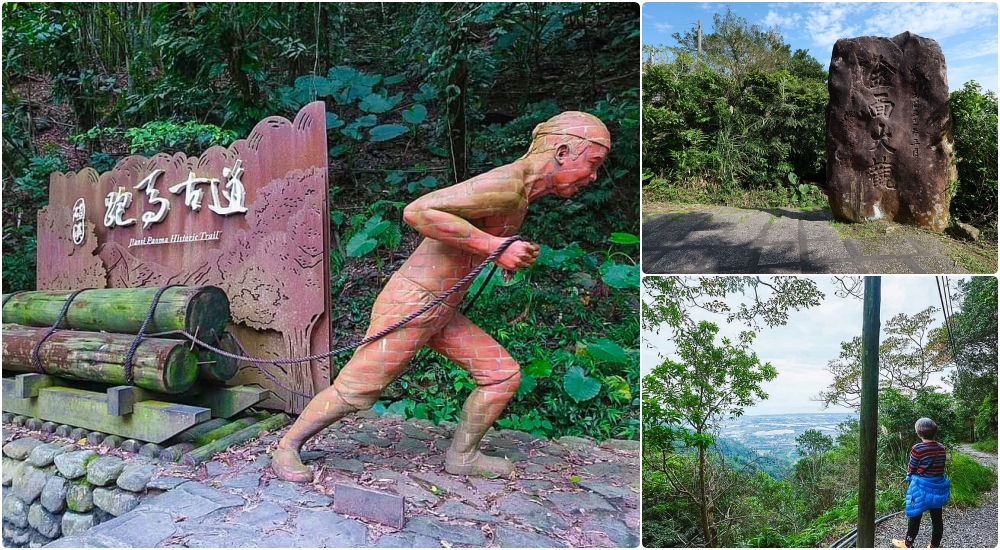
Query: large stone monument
<point x="888" y="131"/>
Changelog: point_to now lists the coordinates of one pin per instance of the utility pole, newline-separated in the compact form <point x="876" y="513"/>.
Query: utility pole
<point x="870" y="328"/>
<point x="699" y="40"/>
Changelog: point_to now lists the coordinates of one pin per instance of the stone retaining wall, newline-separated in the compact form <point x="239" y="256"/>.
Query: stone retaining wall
<point x="53" y="489"/>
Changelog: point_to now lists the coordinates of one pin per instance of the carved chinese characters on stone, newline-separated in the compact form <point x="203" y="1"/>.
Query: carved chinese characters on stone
<point x="263" y="238"/>
<point x="889" y="147"/>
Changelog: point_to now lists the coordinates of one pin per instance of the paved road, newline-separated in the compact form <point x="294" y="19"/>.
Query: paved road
<point x="731" y="240"/>
<point x="570" y="492"/>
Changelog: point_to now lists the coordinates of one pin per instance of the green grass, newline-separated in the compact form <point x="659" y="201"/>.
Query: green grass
<point x="976" y="257"/>
<point x="841" y="518"/>
<point x="986" y="445"/>
<point x="968" y="479"/>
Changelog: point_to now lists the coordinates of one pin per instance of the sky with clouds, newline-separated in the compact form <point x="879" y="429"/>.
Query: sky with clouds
<point x="967" y="32"/>
<point x="801" y="349"/>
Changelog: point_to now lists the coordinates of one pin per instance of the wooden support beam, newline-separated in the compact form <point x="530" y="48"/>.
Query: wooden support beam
<point x="226" y="402"/>
<point x="122" y="399"/>
<point x="27" y="385"/>
<point x="154" y="421"/>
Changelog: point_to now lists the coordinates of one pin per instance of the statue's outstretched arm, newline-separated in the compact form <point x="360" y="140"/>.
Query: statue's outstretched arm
<point x="447" y="214"/>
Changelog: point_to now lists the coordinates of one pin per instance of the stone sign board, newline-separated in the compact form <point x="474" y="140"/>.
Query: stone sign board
<point x="888" y="131"/>
<point x="251" y="219"/>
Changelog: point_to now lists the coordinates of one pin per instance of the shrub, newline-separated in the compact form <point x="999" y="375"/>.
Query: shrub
<point x="974" y="127"/>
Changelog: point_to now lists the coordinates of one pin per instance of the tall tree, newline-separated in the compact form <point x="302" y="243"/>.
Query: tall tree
<point x="736" y="48"/>
<point x="907" y="357"/>
<point x="974" y="355"/>
<point x="708" y="384"/>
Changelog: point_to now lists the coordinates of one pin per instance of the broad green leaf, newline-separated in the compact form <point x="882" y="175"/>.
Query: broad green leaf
<point x="366" y="121"/>
<point x="579" y="386"/>
<point x="539" y="368"/>
<point x="386" y="132"/>
<point x="793" y="178"/>
<point x="333" y="121"/>
<point x="376" y="103"/>
<point x="427" y="91"/>
<point x="415" y="114"/>
<point x="394" y="79"/>
<point x="624" y="238"/>
<point x="619" y="275"/>
<point x="528" y="384"/>
<point x="359" y="245"/>
<point x="606" y="351"/>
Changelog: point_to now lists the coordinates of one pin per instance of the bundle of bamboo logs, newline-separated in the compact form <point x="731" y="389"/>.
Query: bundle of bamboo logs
<point x="99" y="327"/>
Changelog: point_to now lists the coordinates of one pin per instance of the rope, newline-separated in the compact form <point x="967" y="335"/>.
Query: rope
<point x="36" y="361"/>
<point x="129" y="376"/>
<point x="11" y="295"/>
<point x="258" y="361"/>
<point x="480" y="290"/>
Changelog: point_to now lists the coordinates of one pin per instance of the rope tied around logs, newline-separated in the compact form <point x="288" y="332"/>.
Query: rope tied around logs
<point x="36" y="361"/>
<point x="130" y="354"/>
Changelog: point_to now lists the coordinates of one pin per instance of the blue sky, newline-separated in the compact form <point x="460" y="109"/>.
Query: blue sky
<point x="801" y="349"/>
<point x="967" y="32"/>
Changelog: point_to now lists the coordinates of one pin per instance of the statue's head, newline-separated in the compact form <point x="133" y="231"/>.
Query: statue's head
<point x="577" y="142"/>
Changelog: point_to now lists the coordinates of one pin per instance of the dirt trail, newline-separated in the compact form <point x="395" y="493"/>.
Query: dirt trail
<point x="974" y="527"/>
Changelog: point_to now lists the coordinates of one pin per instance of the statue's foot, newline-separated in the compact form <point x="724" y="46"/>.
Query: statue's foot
<point x="286" y="465"/>
<point x="476" y="463"/>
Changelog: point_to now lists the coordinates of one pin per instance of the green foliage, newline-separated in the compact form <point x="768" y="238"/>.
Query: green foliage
<point x="969" y="479"/>
<point x="740" y="126"/>
<point x="30" y="188"/>
<point x="972" y="350"/>
<point x="974" y="127"/>
<point x="164" y="137"/>
<point x="986" y="445"/>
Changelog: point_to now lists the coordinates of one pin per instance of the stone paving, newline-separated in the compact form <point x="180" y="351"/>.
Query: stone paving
<point x="730" y="240"/>
<point x="566" y="492"/>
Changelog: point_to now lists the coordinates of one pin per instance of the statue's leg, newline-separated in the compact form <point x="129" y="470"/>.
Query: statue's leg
<point x="497" y="376"/>
<point x="360" y="383"/>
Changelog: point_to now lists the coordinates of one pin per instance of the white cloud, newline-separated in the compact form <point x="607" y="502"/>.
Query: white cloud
<point x="662" y="27"/>
<point x="972" y="49"/>
<point x="774" y="19"/>
<point x="827" y="23"/>
<point x="931" y="19"/>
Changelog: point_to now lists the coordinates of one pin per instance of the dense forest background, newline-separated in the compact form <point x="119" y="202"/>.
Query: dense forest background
<point x="703" y="491"/>
<point x="419" y="96"/>
<point x="744" y="125"/>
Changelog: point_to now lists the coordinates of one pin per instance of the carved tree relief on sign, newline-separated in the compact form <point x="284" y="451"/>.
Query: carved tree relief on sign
<point x="262" y="236"/>
<point x="889" y="147"/>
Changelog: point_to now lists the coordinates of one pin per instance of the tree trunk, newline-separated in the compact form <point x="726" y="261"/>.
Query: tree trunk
<point x="706" y="520"/>
<point x="205" y="452"/>
<point x="202" y="311"/>
<point x="215" y="367"/>
<point x="160" y="365"/>
<point x="869" y="412"/>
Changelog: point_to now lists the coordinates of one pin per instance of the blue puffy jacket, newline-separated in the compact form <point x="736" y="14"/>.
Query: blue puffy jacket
<point x="926" y="493"/>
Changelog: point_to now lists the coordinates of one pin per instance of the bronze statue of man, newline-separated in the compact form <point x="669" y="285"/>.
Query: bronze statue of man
<point x="462" y="224"/>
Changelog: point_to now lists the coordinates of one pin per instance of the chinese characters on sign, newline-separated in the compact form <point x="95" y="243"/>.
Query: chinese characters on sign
<point x="118" y="201"/>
